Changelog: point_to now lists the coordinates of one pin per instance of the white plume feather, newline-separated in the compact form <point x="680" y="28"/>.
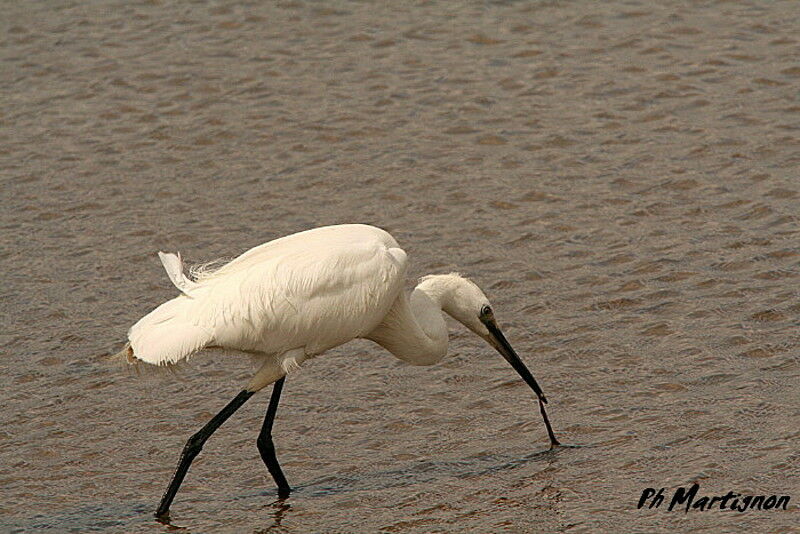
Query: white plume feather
<point x="174" y="267"/>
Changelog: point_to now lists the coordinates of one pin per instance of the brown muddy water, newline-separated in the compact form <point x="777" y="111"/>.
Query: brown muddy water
<point x="620" y="177"/>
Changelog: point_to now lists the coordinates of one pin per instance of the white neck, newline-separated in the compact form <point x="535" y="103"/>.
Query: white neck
<point x="414" y="330"/>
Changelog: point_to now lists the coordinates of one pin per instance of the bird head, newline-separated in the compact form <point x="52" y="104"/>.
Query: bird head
<point x="465" y="302"/>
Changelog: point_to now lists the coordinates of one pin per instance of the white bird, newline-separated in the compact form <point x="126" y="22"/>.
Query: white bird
<point x="295" y="297"/>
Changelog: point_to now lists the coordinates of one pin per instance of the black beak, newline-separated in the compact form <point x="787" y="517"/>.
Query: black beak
<point x="499" y="342"/>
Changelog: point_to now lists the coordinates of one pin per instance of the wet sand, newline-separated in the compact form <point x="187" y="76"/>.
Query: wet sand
<point x="621" y="178"/>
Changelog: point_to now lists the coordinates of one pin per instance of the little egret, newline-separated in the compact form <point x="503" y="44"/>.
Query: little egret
<point x="295" y="297"/>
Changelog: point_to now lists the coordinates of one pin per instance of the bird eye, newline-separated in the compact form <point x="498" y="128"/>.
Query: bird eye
<point x="486" y="310"/>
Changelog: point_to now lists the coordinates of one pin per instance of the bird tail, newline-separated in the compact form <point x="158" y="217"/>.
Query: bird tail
<point x="167" y="334"/>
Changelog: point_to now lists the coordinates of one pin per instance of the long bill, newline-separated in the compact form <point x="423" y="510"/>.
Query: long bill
<point x="499" y="342"/>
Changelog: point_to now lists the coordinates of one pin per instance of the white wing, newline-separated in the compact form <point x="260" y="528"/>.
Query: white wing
<point x="315" y="289"/>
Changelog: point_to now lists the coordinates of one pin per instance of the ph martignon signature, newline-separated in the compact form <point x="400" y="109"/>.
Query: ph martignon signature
<point x="729" y="501"/>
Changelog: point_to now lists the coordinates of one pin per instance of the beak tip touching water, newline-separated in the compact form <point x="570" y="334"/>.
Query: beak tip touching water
<point x="501" y="344"/>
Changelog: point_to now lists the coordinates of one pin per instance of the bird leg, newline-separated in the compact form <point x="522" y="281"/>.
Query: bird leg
<point x="193" y="447"/>
<point x="265" y="445"/>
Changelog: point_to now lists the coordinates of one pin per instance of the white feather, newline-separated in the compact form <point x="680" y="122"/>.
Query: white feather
<point x="315" y="289"/>
<point x="303" y="294"/>
<point x="168" y="334"/>
<point x="174" y="267"/>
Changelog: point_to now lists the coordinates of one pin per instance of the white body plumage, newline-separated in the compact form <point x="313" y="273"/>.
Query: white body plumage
<point x="303" y="294"/>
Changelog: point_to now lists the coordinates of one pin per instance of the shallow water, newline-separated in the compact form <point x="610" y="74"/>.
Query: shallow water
<point x="620" y="177"/>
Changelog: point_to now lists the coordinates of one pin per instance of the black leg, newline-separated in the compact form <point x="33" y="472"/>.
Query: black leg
<point x="193" y="447"/>
<point x="265" y="445"/>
